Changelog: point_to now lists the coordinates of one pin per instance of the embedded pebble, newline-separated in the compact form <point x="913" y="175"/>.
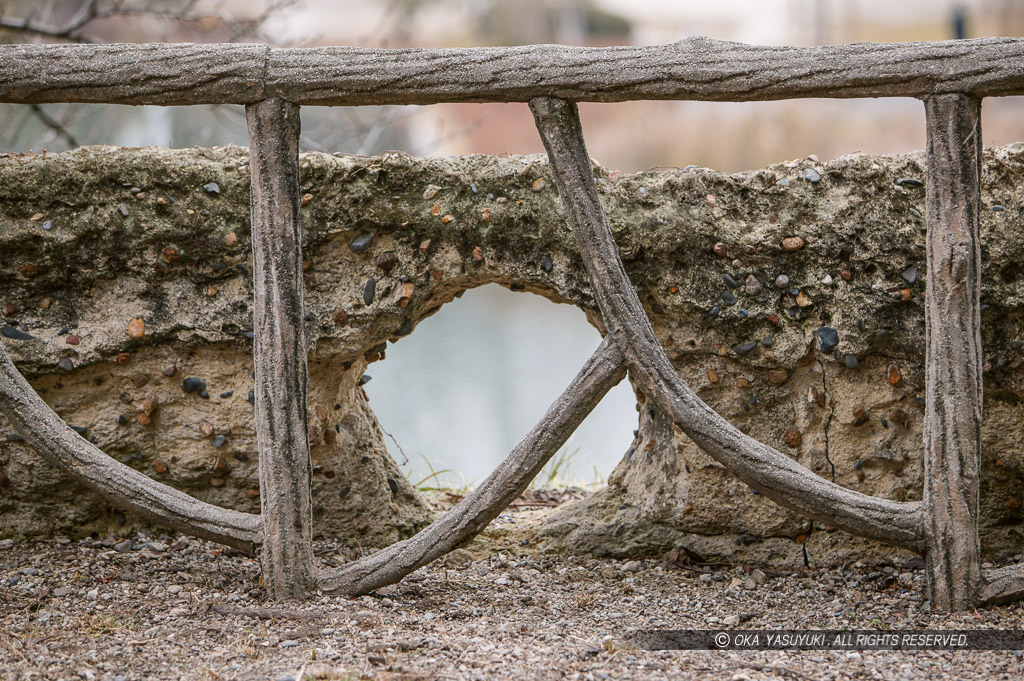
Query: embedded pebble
<point x="753" y="286"/>
<point x="812" y="176"/>
<point x="803" y="300"/>
<point x="137" y="328"/>
<point x="66" y="364"/>
<point x="219" y="441"/>
<point x="546" y="263"/>
<point x="793" y="243"/>
<point x="360" y="243"/>
<point x="909" y="182"/>
<point x="720" y="249"/>
<point x="730" y="281"/>
<point x="828" y="339"/>
<point x="212" y="188"/>
<point x="782" y="281"/>
<point x="431" y="191"/>
<point x="387" y="261"/>
<point x="909" y="275"/>
<point x="193" y="384"/>
<point x="728" y="299"/>
<point x="369" y="291"/>
<point x="767" y="341"/>
<point x="827" y="280"/>
<point x="850" y="361"/>
<point x="14" y="334"/>
<point x="744" y="348"/>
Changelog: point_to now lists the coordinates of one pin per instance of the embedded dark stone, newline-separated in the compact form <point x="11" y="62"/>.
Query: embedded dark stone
<point x="122" y="210"/>
<point x="219" y="441"/>
<point x="212" y="188"/>
<point x="547" y="264"/>
<point x="406" y="328"/>
<point x="828" y="339"/>
<point x="393" y="484"/>
<point x="851" y="361"/>
<point x="909" y="275"/>
<point x="122" y="419"/>
<point x="360" y="243"/>
<point x="728" y="299"/>
<point x="252" y="397"/>
<point x="369" y="291"/>
<point x="729" y="281"/>
<point x="227" y="394"/>
<point x="65" y="364"/>
<point x="14" y="437"/>
<point x="193" y="384"/>
<point x="909" y="182"/>
<point x="14" y="334"/>
<point x="204" y="394"/>
<point x="747" y="539"/>
<point x="81" y="430"/>
<point x="364" y="379"/>
<point x="768" y="341"/>
<point x="744" y="348"/>
<point x="812" y="176"/>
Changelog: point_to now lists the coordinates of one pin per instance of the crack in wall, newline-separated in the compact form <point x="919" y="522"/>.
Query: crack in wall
<point x="828" y="422"/>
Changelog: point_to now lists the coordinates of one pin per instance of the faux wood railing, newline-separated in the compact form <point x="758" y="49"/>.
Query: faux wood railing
<point x="950" y="77"/>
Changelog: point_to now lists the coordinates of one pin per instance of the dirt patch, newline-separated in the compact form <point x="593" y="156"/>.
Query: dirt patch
<point x="160" y="607"/>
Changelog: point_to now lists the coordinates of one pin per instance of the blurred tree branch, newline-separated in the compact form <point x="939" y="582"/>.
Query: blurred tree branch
<point x="191" y="15"/>
<point x="91" y="21"/>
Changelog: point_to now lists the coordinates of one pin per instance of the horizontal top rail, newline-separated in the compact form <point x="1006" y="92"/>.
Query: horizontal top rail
<point x="694" y="69"/>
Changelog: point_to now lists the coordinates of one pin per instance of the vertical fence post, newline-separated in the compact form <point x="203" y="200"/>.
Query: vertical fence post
<point x="279" y="349"/>
<point x="953" y="360"/>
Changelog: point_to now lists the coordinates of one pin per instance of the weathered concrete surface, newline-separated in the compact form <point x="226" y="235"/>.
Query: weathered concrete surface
<point x="453" y="224"/>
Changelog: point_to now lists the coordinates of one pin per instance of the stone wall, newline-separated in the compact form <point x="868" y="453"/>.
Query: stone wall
<point x="92" y="239"/>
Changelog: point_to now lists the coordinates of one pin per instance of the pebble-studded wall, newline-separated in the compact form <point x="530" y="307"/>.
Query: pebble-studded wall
<point x="789" y="298"/>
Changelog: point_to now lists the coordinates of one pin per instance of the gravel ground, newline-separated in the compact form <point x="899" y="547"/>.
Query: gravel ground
<point x="157" y="607"/>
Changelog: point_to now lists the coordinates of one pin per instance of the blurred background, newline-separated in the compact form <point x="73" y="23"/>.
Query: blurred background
<point x="485" y="368"/>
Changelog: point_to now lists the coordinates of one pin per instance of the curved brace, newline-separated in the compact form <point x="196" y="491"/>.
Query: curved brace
<point x="1002" y="585"/>
<point x="605" y="368"/>
<point x="125" y="487"/>
<point x="773" y="474"/>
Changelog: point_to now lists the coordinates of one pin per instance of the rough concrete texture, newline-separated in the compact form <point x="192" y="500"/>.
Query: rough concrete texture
<point x="440" y="226"/>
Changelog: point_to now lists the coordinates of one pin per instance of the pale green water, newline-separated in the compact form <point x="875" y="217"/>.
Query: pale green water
<point x="472" y="380"/>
